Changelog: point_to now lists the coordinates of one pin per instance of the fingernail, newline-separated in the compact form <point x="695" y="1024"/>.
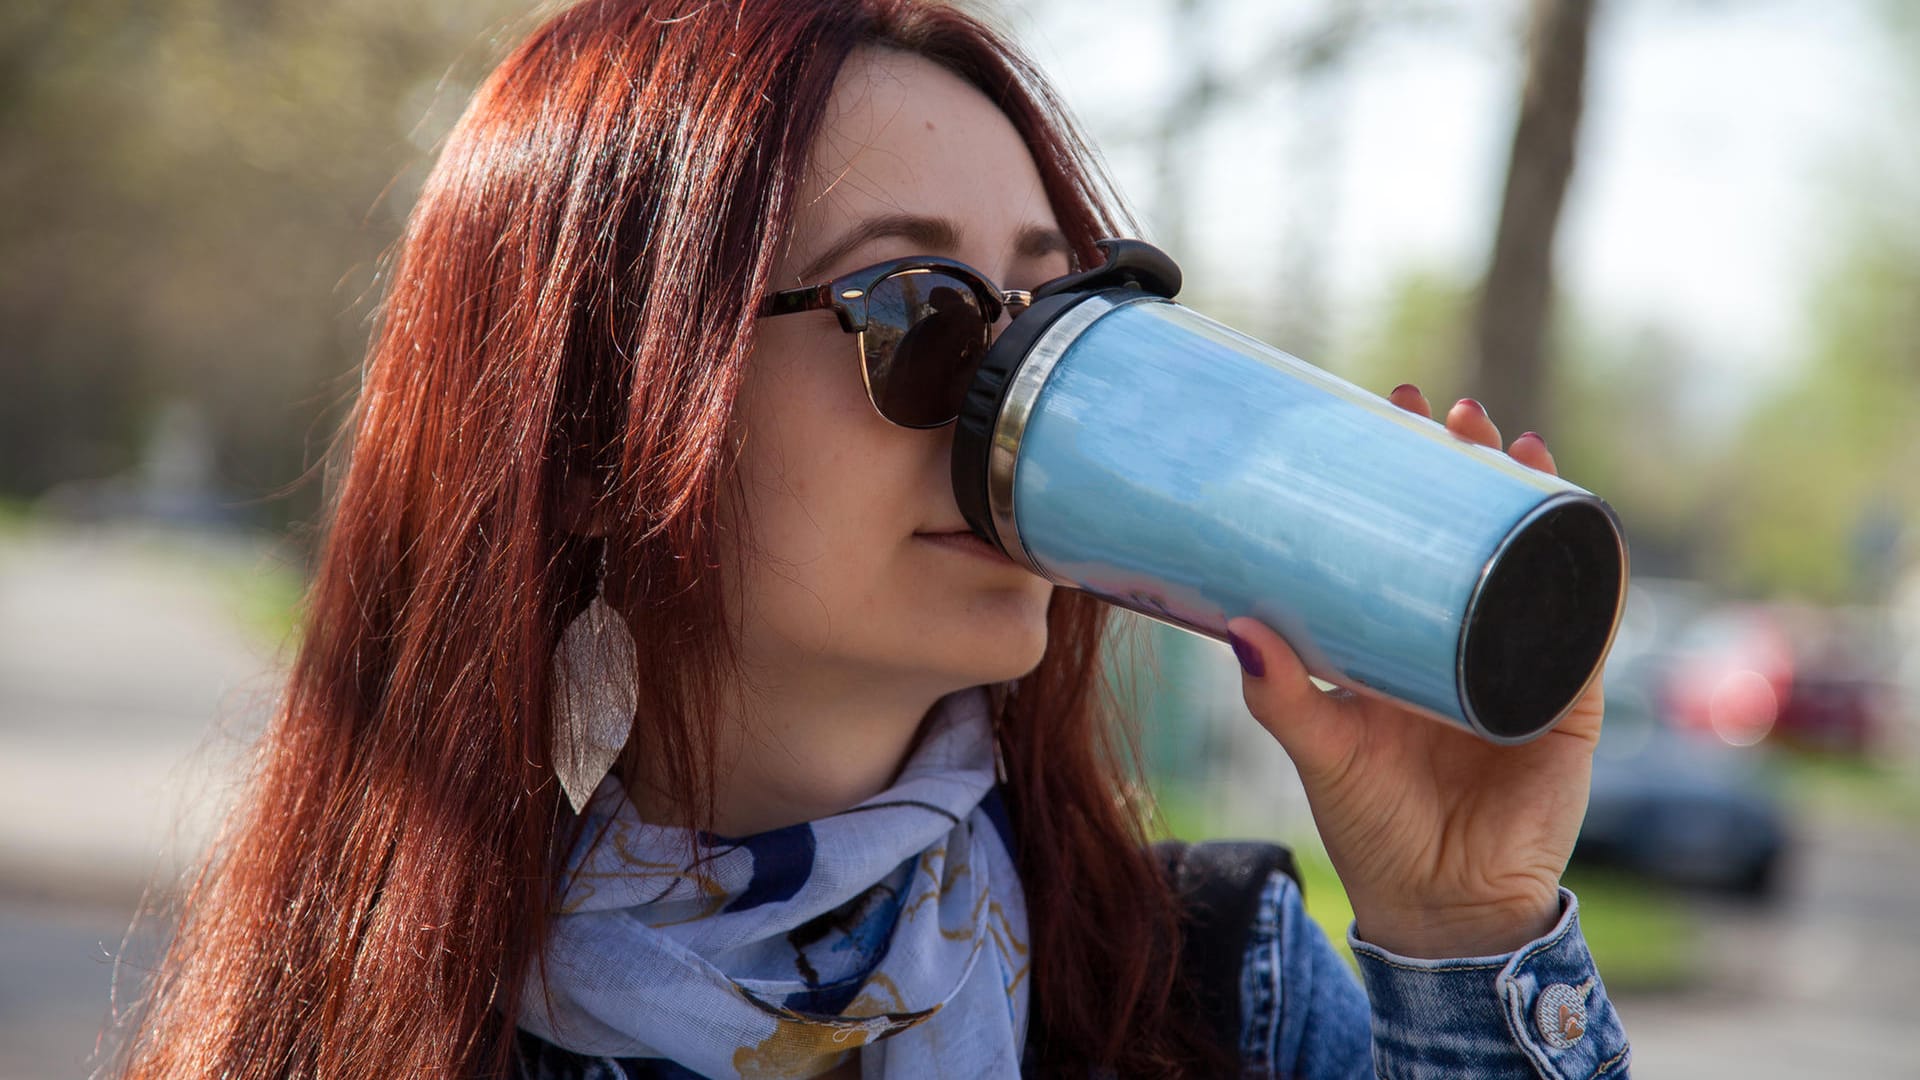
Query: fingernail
<point x="1244" y="652"/>
<point x="1472" y="404"/>
<point x="1403" y="386"/>
<point x="1534" y="435"/>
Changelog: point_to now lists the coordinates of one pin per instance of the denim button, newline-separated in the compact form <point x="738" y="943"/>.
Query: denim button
<point x="1561" y="1014"/>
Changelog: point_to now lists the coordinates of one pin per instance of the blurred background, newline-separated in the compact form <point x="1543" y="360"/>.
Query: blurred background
<point x="1680" y="238"/>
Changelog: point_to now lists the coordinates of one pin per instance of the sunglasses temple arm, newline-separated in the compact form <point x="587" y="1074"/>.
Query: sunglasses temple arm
<point x="792" y="301"/>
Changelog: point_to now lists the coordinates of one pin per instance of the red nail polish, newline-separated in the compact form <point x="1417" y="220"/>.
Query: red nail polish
<point x="1534" y="435"/>
<point x="1477" y="407"/>
<point x="1244" y="652"/>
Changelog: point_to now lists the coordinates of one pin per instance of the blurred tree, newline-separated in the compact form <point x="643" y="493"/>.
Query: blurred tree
<point x="1507" y="371"/>
<point x="1614" y="391"/>
<point x="193" y="200"/>
<point x="1306" y="51"/>
<point x="1835" y="450"/>
<point x="1619" y="433"/>
<point x="1413" y="339"/>
<point x="1820" y="495"/>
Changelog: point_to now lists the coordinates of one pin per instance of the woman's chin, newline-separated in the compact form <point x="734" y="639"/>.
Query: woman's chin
<point x="1009" y="654"/>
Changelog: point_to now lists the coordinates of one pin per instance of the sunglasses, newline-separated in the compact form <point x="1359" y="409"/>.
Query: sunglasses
<point x="923" y="325"/>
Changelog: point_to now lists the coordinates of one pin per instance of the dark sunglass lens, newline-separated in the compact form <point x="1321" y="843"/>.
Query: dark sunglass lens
<point x="925" y="338"/>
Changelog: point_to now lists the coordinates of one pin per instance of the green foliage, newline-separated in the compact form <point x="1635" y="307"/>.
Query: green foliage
<point x="1616" y="428"/>
<point x="1839" y="444"/>
<point x="1611" y="419"/>
<point x="1421" y="330"/>
<point x="1835" y="452"/>
<point x="1782" y="508"/>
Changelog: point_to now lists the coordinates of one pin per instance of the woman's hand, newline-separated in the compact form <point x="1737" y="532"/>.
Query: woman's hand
<point x="1448" y="845"/>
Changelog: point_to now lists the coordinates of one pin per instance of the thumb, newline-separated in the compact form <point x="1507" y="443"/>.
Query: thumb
<point x="1282" y="696"/>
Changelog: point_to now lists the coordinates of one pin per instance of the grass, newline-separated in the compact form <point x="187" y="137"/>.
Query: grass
<point x="261" y="590"/>
<point x="1183" y="816"/>
<point x="1643" y="937"/>
<point x="1325" y="897"/>
<point x="15" y="515"/>
<point x="1831" y="785"/>
<point x="254" y="581"/>
<point x="265" y="598"/>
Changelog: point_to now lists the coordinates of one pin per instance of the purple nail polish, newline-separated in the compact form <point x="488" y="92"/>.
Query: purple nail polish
<point x="1244" y="652"/>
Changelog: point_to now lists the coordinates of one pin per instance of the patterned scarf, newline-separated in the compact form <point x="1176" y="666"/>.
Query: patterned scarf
<point x="897" y="925"/>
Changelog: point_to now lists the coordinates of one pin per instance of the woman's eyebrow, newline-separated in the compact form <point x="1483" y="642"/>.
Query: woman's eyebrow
<point x="936" y="234"/>
<point x="1039" y="241"/>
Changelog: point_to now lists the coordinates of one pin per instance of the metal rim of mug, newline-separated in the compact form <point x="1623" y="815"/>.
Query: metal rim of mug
<point x="1544" y="507"/>
<point x="1016" y="409"/>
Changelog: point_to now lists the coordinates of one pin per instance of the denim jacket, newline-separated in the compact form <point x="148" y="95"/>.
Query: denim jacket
<point x="1540" y="1011"/>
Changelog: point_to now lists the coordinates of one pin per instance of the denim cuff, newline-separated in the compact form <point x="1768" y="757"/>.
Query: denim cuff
<point x="1538" y="1011"/>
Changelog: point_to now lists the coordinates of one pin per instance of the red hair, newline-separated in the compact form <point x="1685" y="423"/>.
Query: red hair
<point x="574" y="296"/>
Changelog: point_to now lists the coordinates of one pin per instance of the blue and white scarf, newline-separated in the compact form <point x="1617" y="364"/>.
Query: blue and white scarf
<point x="896" y="927"/>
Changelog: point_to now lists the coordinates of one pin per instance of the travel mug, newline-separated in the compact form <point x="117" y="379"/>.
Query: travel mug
<point x="1118" y="442"/>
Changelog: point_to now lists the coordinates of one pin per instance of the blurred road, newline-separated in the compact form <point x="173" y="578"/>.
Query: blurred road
<point x="128" y="688"/>
<point x="56" y="989"/>
<point x="1826" y="983"/>
<point x="117" y="658"/>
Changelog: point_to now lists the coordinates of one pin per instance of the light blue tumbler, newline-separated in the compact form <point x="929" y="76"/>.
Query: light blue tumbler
<point x="1120" y="443"/>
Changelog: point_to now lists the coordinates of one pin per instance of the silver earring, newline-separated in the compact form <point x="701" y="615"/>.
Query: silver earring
<point x="595" y="693"/>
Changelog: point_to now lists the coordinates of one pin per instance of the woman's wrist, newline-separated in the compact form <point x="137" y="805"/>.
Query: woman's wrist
<point x="1432" y="933"/>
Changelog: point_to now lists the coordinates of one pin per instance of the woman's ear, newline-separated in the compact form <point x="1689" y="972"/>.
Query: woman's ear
<point x="582" y="511"/>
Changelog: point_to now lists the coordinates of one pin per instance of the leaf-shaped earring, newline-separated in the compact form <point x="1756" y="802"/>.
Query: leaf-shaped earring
<point x="595" y="693"/>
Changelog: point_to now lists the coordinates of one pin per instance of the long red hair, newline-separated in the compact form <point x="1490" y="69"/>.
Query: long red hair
<point x="574" y="297"/>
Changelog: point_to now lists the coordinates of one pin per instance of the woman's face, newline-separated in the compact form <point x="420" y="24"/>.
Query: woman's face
<point x="842" y="589"/>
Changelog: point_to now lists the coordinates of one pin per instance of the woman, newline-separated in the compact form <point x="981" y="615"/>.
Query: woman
<point x="865" y="812"/>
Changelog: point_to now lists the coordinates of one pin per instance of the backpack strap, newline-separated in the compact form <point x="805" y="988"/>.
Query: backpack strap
<point x="1219" y="884"/>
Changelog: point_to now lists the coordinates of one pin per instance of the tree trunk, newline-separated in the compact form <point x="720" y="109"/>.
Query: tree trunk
<point x="1508" y="365"/>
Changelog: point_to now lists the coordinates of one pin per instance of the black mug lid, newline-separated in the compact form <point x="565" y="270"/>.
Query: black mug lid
<point x="1131" y="267"/>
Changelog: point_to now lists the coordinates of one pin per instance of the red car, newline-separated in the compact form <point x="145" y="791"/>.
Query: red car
<point x="1800" y="677"/>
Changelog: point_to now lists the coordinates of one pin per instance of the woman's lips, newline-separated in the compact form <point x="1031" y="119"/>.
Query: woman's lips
<point x="966" y="542"/>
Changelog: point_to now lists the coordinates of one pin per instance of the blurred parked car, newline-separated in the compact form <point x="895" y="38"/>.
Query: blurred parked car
<point x="1846" y="697"/>
<point x="1806" y="677"/>
<point x="1835" y="713"/>
<point x="1729" y="674"/>
<point x="1679" y="808"/>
